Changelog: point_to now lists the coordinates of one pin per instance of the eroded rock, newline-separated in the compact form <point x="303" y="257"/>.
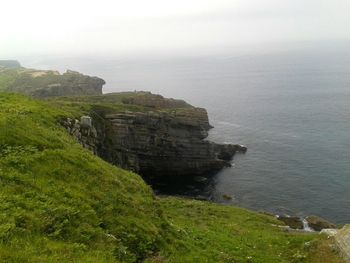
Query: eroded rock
<point x="157" y="142"/>
<point x="83" y="131"/>
<point x="318" y="223"/>
<point x="292" y="221"/>
<point x="164" y="144"/>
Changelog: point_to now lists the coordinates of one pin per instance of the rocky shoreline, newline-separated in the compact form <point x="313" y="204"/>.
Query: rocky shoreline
<point x="309" y="223"/>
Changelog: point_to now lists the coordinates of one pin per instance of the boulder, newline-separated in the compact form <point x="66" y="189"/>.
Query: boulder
<point x="241" y="148"/>
<point x="330" y="232"/>
<point x="292" y="221"/>
<point x="227" y="197"/>
<point x="227" y="151"/>
<point x="86" y="122"/>
<point x="318" y="223"/>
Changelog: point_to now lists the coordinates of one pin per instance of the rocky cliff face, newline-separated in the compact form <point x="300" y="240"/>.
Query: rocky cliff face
<point x="166" y="137"/>
<point x="83" y="131"/>
<point x="159" y="142"/>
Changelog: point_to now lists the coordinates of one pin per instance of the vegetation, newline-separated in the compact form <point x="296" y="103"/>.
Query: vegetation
<point x="45" y="83"/>
<point x="110" y="103"/>
<point x="60" y="203"/>
<point x="216" y="233"/>
<point x="7" y="77"/>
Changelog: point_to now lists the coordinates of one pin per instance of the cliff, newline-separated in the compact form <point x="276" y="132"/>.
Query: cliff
<point x="156" y="140"/>
<point x="139" y="131"/>
<point x="162" y="144"/>
<point x="48" y="83"/>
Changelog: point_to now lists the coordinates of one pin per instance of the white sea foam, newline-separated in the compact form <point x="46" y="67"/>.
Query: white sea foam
<point x="306" y="226"/>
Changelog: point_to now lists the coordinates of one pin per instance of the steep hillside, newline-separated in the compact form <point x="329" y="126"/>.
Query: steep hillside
<point x="60" y="203"/>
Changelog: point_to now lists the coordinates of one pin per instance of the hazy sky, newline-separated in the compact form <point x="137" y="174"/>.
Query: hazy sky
<point x="122" y="26"/>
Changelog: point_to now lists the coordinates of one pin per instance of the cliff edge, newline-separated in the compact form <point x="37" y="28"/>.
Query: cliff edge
<point x="155" y="139"/>
<point x="47" y="83"/>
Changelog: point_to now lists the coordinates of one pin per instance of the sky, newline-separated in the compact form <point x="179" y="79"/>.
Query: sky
<point x="92" y="27"/>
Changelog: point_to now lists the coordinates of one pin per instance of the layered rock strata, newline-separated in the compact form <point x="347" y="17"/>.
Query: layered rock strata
<point x="155" y="143"/>
<point x="83" y="131"/>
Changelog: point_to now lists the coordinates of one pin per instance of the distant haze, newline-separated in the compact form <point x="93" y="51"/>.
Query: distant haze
<point x="90" y="27"/>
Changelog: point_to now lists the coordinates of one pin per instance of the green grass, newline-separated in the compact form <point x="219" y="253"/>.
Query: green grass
<point x="110" y="98"/>
<point x="7" y="77"/>
<point x="56" y="195"/>
<point x="60" y="203"/>
<point x="85" y="104"/>
<point x="215" y="233"/>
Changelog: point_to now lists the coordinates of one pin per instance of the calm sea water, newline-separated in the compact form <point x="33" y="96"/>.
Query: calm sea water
<point x="292" y="110"/>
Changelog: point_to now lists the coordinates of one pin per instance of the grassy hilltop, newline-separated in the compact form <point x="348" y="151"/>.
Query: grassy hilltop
<point x="47" y="83"/>
<point x="60" y="203"/>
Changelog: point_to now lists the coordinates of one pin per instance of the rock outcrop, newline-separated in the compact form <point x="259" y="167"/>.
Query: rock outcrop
<point x="310" y="223"/>
<point x="342" y="239"/>
<point x="155" y="143"/>
<point x="318" y="223"/>
<point x="292" y="221"/>
<point x="83" y="131"/>
<point x="164" y="141"/>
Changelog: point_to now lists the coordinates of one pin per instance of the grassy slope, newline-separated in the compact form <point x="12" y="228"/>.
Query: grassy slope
<point x="7" y="77"/>
<point x="59" y="203"/>
<point x="215" y="233"/>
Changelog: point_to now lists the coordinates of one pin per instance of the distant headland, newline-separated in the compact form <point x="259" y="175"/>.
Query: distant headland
<point x="10" y="64"/>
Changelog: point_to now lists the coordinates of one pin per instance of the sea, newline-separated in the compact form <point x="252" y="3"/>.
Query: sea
<point x="290" y="108"/>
